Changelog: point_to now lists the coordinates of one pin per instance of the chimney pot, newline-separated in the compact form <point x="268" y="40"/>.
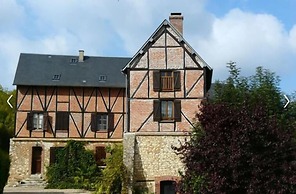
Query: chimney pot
<point x="176" y="19"/>
<point x="81" y="56"/>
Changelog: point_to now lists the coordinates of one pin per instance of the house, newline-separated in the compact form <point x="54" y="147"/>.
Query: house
<point x="166" y="82"/>
<point x="61" y="98"/>
<point x="148" y="102"/>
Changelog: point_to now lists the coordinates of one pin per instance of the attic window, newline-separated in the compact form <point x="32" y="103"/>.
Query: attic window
<point x="73" y="60"/>
<point x="56" y="77"/>
<point x="102" y="78"/>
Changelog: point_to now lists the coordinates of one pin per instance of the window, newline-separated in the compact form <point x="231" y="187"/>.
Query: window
<point x="37" y="121"/>
<point x="102" y="122"/>
<point x="56" y="77"/>
<point x="100" y="155"/>
<point x="167" y="110"/>
<point x="102" y="78"/>
<point x="166" y="81"/>
<point x="54" y="151"/>
<point x="62" y="121"/>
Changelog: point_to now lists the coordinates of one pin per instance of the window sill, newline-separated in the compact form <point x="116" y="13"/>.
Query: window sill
<point x="62" y="130"/>
<point x="38" y="130"/>
<point x="101" y="131"/>
<point x="167" y="121"/>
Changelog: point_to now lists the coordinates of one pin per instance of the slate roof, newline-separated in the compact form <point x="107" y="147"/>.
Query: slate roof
<point x="62" y="70"/>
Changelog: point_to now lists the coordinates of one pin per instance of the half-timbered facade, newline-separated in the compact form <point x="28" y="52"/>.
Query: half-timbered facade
<point x="148" y="101"/>
<point x="166" y="82"/>
<point x="61" y="98"/>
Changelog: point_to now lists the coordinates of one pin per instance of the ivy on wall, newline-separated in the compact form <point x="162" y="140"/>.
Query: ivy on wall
<point x="74" y="167"/>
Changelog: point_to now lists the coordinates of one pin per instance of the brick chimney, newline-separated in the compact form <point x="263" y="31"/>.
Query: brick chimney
<point x="176" y="19"/>
<point x="81" y="56"/>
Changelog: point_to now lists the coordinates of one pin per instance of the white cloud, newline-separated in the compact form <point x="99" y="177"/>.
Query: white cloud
<point x="120" y="27"/>
<point x="249" y="39"/>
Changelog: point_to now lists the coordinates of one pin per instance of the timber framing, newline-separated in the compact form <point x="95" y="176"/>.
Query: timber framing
<point x="79" y="102"/>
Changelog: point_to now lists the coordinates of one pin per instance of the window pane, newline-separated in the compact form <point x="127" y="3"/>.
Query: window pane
<point x="163" y="109"/>
<point x="40" y="121"/>
<point x="35" y="120"/>
<point x="170" y="109"/>
<point x="167" y="108"/>
<point x="102" y="121"/>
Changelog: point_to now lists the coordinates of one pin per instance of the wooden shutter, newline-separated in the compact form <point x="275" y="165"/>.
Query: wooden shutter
<point x="62" y="120"/>
<point x="111" y="122"/>
<point x="94" y="122"/>
<point x="30" y="125"/>
<point x="45" y="121"/>
<point x="177" y="110"/>
<point x="156" y="110"/>
<point x="177" y="81"/>
<point x="156" y="81"/>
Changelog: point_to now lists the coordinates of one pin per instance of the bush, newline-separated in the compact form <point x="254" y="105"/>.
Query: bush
<point x="114" y="175"/>
<point x="75" y="167"/>
<point x="4" y="169"/>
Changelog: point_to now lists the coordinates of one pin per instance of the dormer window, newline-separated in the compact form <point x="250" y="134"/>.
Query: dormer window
<point x="56" y="77"/>
<point x="73" y="60"/>
<point x="102" y="78"/>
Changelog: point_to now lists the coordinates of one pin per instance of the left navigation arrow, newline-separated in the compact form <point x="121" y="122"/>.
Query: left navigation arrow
<point x="9" y="100"/>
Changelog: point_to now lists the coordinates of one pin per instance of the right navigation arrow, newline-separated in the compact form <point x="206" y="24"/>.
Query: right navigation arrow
<point x="288" y="101"/>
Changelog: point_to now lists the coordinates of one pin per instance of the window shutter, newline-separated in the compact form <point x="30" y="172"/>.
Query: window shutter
<point x="111" y="122"/>
<point x="156" y="110"/>
<point x="30" y="125"/>
<point x="177" y="81"/>
<point x="177" y="110"/>
<point x="93" y="122"/>
<point x="45" y="121"/>
<point x="58" y="121"/>
<point x="66" y="120"/>
<point x="62" y="120"/>
<point x="156" y="81"/>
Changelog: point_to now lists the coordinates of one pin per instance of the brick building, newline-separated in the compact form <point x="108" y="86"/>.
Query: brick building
<point x="148" y="101"/>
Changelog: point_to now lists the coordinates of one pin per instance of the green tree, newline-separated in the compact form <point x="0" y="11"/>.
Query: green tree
<point x="243" y="141"/>
<point x="6" y="132"/>
<point x="75" y="167"/>
<point x="262" y="87"/>
<point x="7" y="116"/>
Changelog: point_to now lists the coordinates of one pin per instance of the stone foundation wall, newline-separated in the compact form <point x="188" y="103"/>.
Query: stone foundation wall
<point x="153" y="158"/>
<point x="21" y="154"/>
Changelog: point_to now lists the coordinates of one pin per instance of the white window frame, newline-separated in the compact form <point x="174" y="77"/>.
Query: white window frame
<point x="38" y="121"/>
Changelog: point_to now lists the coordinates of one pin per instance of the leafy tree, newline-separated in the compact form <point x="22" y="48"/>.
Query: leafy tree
<point x="6" y="118"/>
<point x="4" y="169"/>
<point x="263" y="86"/>
<point x="75" y="167"/>
<point x="6" y="131"/>
<point x="114" y="175"/>
<point x="242" y="142"/>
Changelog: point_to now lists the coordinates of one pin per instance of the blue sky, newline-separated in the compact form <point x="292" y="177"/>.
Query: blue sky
<point x="249" y="32"/>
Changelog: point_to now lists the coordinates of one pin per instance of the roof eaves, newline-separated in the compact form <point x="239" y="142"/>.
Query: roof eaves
<point x="141" y="50"/>
<point x="150" y="39"/>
